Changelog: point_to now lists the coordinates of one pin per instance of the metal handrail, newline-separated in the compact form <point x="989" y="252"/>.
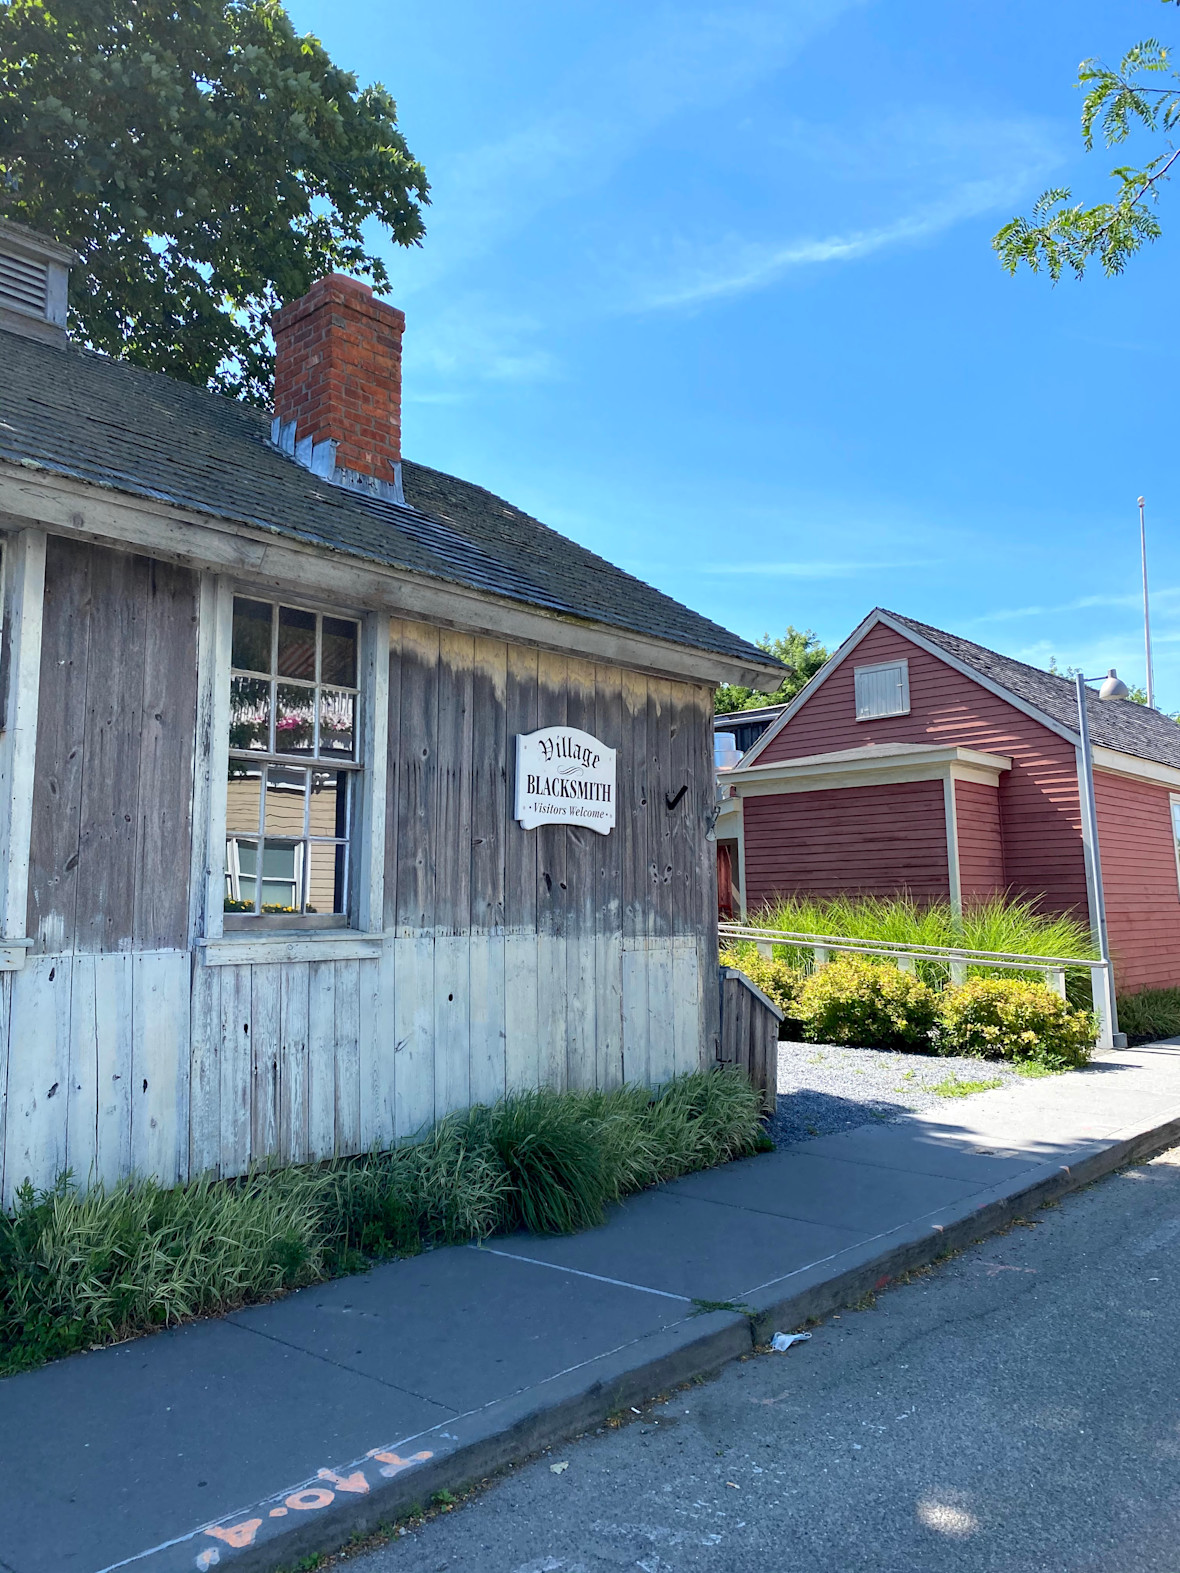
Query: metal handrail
<point x="957" y="958"/>
<point x="994" y="958"/>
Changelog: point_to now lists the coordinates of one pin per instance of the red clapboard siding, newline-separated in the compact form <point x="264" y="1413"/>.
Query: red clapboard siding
<point x="869" y="839"/>
<point x="1038" y="797"/>
<point x="981" y="849"/>
<point x="1139" y="877"/>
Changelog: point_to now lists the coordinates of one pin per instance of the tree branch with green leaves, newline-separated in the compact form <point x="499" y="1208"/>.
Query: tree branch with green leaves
<point x="206" y="162"/>
<point x="1066" y="236"/>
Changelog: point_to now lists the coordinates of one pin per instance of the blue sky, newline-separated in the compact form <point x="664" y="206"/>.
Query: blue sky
<point x="708" y="287"/>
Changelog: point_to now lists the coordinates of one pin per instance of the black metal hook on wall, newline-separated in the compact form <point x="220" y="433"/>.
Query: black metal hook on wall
<point x="671" y="799"/>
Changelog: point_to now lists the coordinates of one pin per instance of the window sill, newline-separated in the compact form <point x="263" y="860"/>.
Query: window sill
<point x="248" y="948"/>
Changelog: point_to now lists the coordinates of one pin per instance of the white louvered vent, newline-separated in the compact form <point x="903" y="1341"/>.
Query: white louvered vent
<point x="24" y="283"/>
<point x="882" y="690"/>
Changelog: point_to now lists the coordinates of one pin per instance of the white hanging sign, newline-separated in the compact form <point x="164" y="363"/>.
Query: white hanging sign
<point x="565" y="777"/>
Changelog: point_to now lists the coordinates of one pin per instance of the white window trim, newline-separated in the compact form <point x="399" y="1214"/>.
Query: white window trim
<point x="1173" y="808"/>
<point x="884" y="666"/>
<point x="21" y="602"/>
<point x="361" y="939"/>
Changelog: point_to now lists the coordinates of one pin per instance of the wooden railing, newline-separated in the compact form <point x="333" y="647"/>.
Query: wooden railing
<point x="956" y="959"/>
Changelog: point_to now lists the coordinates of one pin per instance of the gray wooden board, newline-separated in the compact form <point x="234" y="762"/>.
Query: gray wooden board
<point x="110" y="774"/>
<point x="293" y="1055"/>
<point x="418" y="771"/>
<point x="552" y="896"/>
<point x="633" y="804"/>
<point x="659" y="749"/>
<point x="166" y="758"/>
<point x="393" y="772"/>
<point x="520" y="851"/>
<point x="61" y="728"/>
<point x="490" y="809"/>
<point x="452" y="842"/>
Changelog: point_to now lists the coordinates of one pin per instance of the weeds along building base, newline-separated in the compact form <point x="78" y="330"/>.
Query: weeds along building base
<point x="263" y="885"/>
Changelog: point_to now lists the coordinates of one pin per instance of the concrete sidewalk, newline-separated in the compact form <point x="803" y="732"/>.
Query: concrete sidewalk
<point x="247" y="1442"/>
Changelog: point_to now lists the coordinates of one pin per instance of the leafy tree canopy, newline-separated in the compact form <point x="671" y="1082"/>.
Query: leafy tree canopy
<point x="799" y="650"/>
<point x="1065" y="236"/>
<point x="205" y="162"/>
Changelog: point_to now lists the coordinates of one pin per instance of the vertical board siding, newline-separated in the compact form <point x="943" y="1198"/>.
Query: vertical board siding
<point x="1140" y="881"/>
<point x="112" y="818"/>
<point x="981" y="844"/>
<point x="1038" y="797"/>
<point x="510" y="958"/>
<point x="871" y="839"/>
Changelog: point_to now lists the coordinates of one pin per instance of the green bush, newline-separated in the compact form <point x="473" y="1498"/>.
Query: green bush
<point x="779" y="979"/>
<point x="870" y="1003"/>
<point x="1150" y="1014"/>
<point x="79" y="1268"/>
<point x="1014" y="1020"/>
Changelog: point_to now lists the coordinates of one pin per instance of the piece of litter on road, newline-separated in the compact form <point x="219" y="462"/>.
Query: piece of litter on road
<point x="559" y="1469"/>
<point x="734" y="1484"/>
<point x="635" y="1411"/>
<point x="783" y="1341"/>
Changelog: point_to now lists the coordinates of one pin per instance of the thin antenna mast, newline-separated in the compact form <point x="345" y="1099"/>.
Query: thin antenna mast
<point x="1146" y="611"/>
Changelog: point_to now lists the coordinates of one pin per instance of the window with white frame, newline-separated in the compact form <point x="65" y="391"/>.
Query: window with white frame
<point x="293" y="782"/>
<point x="1176" y="833"/>
<point x="882" y="690"/>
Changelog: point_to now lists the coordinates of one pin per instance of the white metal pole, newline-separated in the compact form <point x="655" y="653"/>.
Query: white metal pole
<point x="1107" y="1008"/>
<point x="1146" y="612"/>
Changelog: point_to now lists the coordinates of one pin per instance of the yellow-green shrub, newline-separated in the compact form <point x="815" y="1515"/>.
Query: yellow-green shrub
<point x="778" y="980"/>
<point x="869" y="1003"/>
<point x="1014" y="1019"/>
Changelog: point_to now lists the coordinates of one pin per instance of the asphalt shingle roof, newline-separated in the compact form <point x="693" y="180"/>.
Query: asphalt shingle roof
<point x="1118" y="724"/>
<point x="80" y="414"/>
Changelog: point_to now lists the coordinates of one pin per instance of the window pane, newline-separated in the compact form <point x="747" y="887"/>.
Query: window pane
<point x="326" y="890"/>
<point x="241" y="867"/>
<point x="296" y="643"/>
<point x="282" y="877"/>
<point x="286" y="794"/>
<point x="251" y="641"/>
<point x="328" y="812"/>
<point x="294" y="719"/>
<point x="243" y="798"/>
<point x="339" y="656"/>
<point x="337" y="722"/>
<point x="249" y="713"/>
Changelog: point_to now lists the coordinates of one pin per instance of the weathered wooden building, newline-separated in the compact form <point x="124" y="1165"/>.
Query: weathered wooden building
<point x="263" y="887"/>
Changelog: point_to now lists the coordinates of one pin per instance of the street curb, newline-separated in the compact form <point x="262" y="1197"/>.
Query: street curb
<point x="577" y="1401"/>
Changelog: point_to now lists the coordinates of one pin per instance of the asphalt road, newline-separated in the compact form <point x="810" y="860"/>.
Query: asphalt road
<point x="1017" y="1407"/>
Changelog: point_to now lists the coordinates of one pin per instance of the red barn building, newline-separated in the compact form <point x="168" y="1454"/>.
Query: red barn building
<point x="918" y="761"/>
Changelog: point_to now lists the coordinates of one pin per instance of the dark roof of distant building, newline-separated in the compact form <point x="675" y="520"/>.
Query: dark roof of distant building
<point x="80" y="414"/>
<point x="1128" y="728"/>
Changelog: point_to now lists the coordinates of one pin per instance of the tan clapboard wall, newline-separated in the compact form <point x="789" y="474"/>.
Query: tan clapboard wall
<point x="508" y="958"/>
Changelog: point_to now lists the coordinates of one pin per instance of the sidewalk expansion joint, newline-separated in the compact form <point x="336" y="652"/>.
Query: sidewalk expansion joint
<point x="578" y="1272"/>
<point x="337" y="1365"/>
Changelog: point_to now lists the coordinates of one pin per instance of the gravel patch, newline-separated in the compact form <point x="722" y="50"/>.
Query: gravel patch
<point x="823" y="1088"/>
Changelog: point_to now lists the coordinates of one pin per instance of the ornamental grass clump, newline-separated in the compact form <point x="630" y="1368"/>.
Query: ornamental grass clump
<point x="1150" y="1014"/>
<point x="85" y="1267"/>
<point x="872" y="1004"/>
<point x="1014" y="1020"/>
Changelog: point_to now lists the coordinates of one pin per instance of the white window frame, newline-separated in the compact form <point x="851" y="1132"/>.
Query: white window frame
<point x="1174" y="815"/>
<point x="263" y="940"/>
<point x="901" y="666"/>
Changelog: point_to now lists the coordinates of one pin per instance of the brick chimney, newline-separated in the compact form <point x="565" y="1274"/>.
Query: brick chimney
<point x="338" y="385"/>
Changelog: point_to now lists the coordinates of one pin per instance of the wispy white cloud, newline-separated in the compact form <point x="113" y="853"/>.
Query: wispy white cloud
<point x="803" y="570"/>
<point x="1166" y="595"/>
<point x="675" y="58"/>
<point x="470" y="340"/>
<point x="933" y="174"/>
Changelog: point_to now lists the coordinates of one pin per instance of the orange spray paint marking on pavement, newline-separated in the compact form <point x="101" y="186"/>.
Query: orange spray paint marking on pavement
<point x="314" y="1496"/>
<point x="354" y="1482"/>
<point x="237" y="1534"/>
<point x="393" y="1464"/>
